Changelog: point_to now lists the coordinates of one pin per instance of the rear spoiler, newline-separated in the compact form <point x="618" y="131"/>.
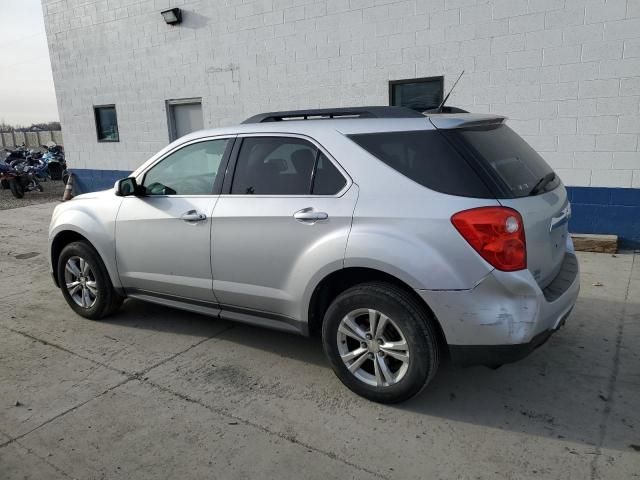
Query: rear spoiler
<point x="448" y="121"/>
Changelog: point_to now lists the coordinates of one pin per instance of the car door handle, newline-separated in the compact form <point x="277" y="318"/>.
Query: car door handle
<point x="193" y="216"/>
<point x="308" y="215"/>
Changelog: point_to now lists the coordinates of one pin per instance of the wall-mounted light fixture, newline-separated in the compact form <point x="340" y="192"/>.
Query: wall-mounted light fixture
<point x="172" y="16"/>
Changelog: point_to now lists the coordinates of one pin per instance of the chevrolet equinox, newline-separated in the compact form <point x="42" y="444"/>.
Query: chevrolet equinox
<point x="398" y="237"/>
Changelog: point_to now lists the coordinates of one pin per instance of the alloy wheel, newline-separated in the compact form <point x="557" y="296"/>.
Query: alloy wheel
<point x="80" y="282"/>
<point x="373" y="348"/>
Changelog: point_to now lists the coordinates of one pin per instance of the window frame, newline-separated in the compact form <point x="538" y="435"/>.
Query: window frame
<point x="394" y="83"/>
<point x="222" y="172"/>
<point x="233" y="161"/>
<point x="464" y="159"/>
<point x="98" y="124"/>
<point x="169" y="104"/>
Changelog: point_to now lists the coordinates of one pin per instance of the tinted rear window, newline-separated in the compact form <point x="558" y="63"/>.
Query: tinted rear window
<point x="426" y="157"/>
<point x="516" y="163"/>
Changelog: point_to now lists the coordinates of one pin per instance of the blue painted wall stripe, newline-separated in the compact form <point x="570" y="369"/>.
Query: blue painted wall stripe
<point x="608" y="211"/>
<point x="90" y="180"/>
<point x="595" y="209"/>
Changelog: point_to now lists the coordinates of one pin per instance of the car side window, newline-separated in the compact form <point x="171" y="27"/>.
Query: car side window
<point x="192" y="170"/>
<point x="281" y="166"/>
<point x="327" y="179"/>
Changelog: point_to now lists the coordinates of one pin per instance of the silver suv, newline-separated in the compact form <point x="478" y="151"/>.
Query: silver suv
<point x="400" y="238"/>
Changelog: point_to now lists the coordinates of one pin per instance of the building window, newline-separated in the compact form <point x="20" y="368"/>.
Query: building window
<point x="417" y="93"/>
<point x="184" y="116"/>
<point x="106" y="123"/>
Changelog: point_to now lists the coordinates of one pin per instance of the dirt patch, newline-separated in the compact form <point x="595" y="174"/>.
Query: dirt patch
<point x="25" y="256"/>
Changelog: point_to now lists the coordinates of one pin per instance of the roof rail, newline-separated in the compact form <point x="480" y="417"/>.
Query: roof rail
<point x="324" y="113"/>
<point x="445" y="109"/>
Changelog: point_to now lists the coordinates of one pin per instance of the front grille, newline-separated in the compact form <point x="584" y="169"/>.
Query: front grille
<point x="564" y="279"/>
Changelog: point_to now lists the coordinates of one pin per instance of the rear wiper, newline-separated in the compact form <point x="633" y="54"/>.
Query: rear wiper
<point x="543" y="182"/>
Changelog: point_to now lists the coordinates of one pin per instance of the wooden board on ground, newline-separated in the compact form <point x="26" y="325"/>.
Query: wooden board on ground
<point x="586" y="242"/>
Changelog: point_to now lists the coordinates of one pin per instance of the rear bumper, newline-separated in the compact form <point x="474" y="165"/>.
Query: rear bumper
<point x="496" y="355"/>
<point x="506" y="316"/>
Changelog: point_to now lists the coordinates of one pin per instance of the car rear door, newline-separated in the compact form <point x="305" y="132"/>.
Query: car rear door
<point x="284" y="215"/>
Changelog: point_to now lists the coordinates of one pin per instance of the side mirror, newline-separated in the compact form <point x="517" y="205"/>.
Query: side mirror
<point x="127" y="187"/>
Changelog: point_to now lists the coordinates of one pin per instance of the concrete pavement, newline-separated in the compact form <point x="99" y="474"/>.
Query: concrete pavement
<point x="159" y="393"/>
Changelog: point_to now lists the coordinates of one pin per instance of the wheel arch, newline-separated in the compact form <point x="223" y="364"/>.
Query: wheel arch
<point x="61" y="240"/>
<point x="338" y="281"/>
<point x="66" y="236"/>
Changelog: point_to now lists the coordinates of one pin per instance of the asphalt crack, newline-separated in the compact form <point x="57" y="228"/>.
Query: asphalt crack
<point x="234" y="419"/>
<point x="140" y="376"/>
<point x="52" y="465"/>
<point x="613" y="380"/>
<point x="128" y="376"/>
<point x="143" y="372"/>
<point x="61" y="348"/>
<point x="65" y="412"/>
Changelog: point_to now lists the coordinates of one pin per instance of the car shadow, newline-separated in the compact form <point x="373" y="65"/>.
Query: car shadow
<point x="561" y="391"/>
<point x="138" y="314"/>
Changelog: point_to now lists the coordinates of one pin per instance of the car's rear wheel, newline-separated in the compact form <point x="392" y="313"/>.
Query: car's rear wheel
<point x="381" y="342"/>
<point x="85" y="283"/>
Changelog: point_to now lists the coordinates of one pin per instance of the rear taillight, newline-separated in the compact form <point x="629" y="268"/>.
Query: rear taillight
<point x="496" y="233"/>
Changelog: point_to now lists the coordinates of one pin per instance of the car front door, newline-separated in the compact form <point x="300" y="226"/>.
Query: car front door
<point x="163" y="236"/>
<point x="285" y="216"/>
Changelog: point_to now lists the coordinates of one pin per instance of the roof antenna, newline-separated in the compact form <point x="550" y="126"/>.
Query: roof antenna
<point x="441" y="106"/>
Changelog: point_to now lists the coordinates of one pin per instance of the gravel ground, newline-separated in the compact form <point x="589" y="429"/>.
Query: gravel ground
<point x="52" y="192"/>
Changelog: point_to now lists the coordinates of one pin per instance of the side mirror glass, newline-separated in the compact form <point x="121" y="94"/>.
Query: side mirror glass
<point x="127" y="187"/>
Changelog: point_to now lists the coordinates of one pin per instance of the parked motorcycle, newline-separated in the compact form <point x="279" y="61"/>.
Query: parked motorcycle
<point x="53" y="157"/>
<point x="49" y="164"/>
<point x="19" y="181"/>
<point x="11" y="156"/>
<point x="19" y="153"/>
<point x="4" y="183"/>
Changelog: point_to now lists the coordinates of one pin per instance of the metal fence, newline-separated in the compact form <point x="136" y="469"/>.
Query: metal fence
<point x="30" y="139"/>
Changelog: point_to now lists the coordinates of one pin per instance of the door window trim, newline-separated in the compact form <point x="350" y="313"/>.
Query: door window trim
<point x="233" y="161"/>
<point x="224" y="163"/>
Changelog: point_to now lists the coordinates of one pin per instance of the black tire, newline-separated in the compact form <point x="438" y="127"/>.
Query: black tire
<point x="16" y="189"/>
<point x="408" y="316"/>
<point x="107" y="300"/>
<point x="4" y="184"/>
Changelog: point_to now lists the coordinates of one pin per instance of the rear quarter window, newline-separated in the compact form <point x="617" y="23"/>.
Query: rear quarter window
<point x="427" y="158"/>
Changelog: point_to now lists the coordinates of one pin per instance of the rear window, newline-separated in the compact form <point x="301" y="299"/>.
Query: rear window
<point x="426" y="157"/>
<point x="518" y="165"/>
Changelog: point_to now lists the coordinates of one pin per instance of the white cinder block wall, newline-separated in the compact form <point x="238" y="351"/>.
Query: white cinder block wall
<point x="567" y="72"/>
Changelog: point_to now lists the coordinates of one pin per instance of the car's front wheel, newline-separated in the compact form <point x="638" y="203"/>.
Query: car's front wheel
<point x="381" y="343"/>
<point x="85" y="283"/>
